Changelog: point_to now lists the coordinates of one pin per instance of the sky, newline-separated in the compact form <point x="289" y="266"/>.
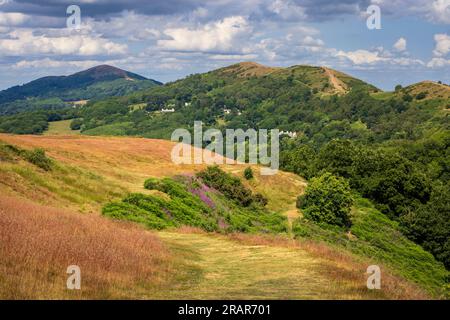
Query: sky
<point x="169" y="39"/>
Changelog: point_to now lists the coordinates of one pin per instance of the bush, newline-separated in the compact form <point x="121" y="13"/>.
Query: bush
<point x="76" y="124"/>
<point x="153" y="184"/>
<point x="230" y="186"/>
<point x="327" y="199"/>
<point x="38" y="158"/>
<point x="248" y="173"/>
<point x="421" y="96"/>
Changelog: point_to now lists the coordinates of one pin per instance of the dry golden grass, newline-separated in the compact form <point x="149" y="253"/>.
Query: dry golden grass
<point x="128" y="162"/>
<point x="433" y="89"/>
<point x="38" y="243"/>
<point x="249" y="69"/>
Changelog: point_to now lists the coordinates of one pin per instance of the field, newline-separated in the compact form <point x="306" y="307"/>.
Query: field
<point x="60" y="128"/>
<point x="58" y="211"/>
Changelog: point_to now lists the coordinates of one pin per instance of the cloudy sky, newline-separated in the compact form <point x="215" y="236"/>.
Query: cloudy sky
<point x="169" y="39"/>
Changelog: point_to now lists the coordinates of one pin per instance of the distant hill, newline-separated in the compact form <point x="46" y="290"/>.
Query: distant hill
<point x="242" y="95"/>
<point x="54" y="91"/>
<point x="429" y="90"/>
<point x="320" y="79"/>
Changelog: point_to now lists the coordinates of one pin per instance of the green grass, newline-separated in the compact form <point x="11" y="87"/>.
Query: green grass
<point x="190" y="204"/>
<point x="383" y="95"/>
<point x="213" y="267"/>
<point x="378" y="238"/>
<point x="60" y="128"/>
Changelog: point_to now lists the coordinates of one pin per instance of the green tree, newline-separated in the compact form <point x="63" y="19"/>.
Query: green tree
<point x="429" y="225"/>
<point x="337" y="157"/>
<point x="327" y="199"/>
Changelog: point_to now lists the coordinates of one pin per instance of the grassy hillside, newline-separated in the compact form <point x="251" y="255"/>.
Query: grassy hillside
<point x="86" y="173"/>
<point x="239" y="96"/>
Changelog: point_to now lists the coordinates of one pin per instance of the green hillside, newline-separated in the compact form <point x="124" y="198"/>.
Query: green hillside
<point x="58" y="91"/>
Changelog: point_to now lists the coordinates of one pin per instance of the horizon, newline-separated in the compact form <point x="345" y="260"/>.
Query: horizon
<point x="405" y="43"/>
<point x="163" y="83"/>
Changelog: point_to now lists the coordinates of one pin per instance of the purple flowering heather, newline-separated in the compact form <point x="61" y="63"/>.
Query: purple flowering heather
<point x="201" y="193"/>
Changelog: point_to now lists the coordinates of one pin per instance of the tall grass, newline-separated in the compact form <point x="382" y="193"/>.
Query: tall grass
<point x="38" y="243"/>
<point x="346" y="271"/>
<point x="374" y="236"/>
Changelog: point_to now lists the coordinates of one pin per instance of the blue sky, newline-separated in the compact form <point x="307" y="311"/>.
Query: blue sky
<point x="169" y="39"/>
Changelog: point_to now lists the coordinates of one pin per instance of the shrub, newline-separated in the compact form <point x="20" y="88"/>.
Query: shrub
<point x="407" y="98"/>
<point x="76" y="124"/>
<point x="327" y="199"/>
<point x="230" y="186"/>
<point x="152" y="184"/>
<point x="421" y="96"/>
<point x="248" y="173"/>
<point x="38" y="158"/>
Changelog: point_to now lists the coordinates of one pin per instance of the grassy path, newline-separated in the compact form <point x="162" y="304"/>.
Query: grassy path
<point x="62" y="127"/>
<point x="223" y="269"/>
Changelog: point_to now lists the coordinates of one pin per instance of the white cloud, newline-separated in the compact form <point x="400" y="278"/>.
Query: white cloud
<point x="13" y="18"/>
<point x="378" y="56"/>
<point x="438" y="63"/>
<point x="442" y="44"/>
<point x="220" y="36"/>
<point x="237" y="57"/>
<point x="129" y="25"/>
<point x="287" y="10"/>
<point x="361" y="56"/>
<point x="23" y="41"/>
<point x="400" y="45"/>
<point x="50" y="63"/>
<point x="440" y="11"/>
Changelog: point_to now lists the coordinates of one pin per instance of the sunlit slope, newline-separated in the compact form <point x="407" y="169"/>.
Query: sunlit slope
<point x="93" y="170"/>
<point x="89" y="172"/>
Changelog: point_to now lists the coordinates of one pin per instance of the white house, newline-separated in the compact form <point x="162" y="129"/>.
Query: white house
<point x="291" y="134"/>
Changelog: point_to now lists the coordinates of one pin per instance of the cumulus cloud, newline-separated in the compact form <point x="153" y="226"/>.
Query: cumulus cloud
<point x="361" y="56"/>
<point x="22" y="42"/>
<point x="378" y="56"/>
<point x="288" y="10"/>
<point x="400" y="45"/>
<point x="442" y="44"/>
<point x="438" y="63"/>
<point x="50" y="63"/>
<point x="219" y="36"/>
<point x="13" y="18"/>
<point x="440" y="11"/>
